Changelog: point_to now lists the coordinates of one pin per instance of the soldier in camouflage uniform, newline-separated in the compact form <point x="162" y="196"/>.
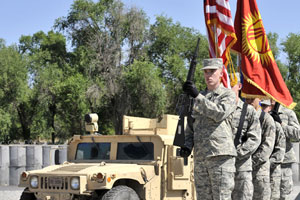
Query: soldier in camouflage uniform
<point x="290" y="125"/>
<point x="211" y="135"/>
<point x="260" y="159"/>
<point x="277" y="155"/>
<point x="247" y="143"/>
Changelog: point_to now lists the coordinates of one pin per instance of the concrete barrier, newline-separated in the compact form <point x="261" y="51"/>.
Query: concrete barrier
<point x="47" y="157"/>
<point x="62" y="154"/>
<point x="14" y="159"/>
<point x="34" y="157"/>
<point x="295" y="166"/>
<point x="17" y="163"/>
<point x="4" y="165"/>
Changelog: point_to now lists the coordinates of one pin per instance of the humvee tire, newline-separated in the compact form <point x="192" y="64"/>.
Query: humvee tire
<point x="27" y="196"/>
<point x="120" y="192"/>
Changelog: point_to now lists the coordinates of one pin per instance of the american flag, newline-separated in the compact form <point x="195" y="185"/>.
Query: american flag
<point x="219" y="21"/>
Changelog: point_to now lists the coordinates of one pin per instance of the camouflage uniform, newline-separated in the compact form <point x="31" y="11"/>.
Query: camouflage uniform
<point x="261" y="162"/>
<point x="275" y="162"/>
<point x="214" y="151"/>
<point x="249" y="142"/>
<point x="291" y="128"/>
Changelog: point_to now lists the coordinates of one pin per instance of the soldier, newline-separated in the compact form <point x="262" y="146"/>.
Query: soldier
<point x="291" y="128"/>
<point x="247" y="133"/>
<point x="277" y="155"/>
<point x="260" y="159"/>
<point x="211" y="134"/>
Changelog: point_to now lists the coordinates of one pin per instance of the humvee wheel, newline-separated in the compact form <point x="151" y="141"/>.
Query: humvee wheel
<point x="27" y="196"/>
<point x="120" y="192"/>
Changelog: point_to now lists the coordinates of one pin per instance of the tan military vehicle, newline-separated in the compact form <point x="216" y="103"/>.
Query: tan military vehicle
<point x="140" y="164"/>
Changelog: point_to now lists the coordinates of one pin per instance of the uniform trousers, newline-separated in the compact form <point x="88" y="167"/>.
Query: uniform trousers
<point x="214" y="177"/>
<point x="275" y="180"/>
<point x="286" y="185"/>
<point x="243" y="186"/>
<point x="261" y="185"/>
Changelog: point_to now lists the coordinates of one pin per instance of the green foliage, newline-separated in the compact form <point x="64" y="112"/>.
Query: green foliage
<point x="14" y="93"/>
<point x="147" y="97"/>
<point x="291" y="46"/>
<point x="5" y="126"/>
<point x="107" y="38"/>
<point x="273" y="41"/>
<point x="58" y="88"/>
<point x="273" y="38"/>
<point x="72" y="105"/>
<point x="13" y="79"/>
<point x="171" y="50"/>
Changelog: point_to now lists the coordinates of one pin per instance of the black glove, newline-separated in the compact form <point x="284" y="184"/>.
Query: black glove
<point x="185" y="152"/>
<point x="190" y="89"/>
<point x="244" y="138"/>
<point x="275" y="116"/>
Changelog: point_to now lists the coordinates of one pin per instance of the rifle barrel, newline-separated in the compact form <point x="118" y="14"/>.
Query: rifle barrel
<point x="190" y="76"/>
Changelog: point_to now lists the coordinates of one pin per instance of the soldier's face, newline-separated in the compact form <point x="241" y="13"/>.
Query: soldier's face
<point x="253" y="102"/>
<point x="212" y="78"/>
<point x="266" y="108"/>
<point x="272" y="103"/>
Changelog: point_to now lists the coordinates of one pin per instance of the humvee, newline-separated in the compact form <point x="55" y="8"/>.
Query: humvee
<point x="140" y="164"/>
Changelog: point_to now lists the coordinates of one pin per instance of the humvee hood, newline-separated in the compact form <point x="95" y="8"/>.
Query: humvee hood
<point x="91" y="168"/>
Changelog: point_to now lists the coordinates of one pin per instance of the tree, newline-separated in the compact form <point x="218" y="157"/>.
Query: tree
<point x="56" y="85"/>
<point x="273" y="41"/>
<point x="171" y="49"/>
<point x="146" y="96"/>
<point x="291" y="46"/>
<point x="104" y="32"/>
<point x="14" y="93"/>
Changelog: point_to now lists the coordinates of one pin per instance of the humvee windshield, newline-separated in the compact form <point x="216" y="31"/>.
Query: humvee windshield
<point x="135" y="151"/>
<point x="125" y="151"/>
<point x="93" y="151"/>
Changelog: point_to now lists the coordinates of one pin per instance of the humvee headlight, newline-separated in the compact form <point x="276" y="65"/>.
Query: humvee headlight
<point x="34" y="181"/>
<point x="75" y="183"/>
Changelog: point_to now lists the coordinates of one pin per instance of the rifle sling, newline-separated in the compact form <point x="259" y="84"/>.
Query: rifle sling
<point x="261" y="117"/>
<point x="242" y="119"/>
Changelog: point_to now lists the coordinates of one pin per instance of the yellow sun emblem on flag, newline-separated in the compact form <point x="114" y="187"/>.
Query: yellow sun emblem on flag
<point x="255" y="42"/>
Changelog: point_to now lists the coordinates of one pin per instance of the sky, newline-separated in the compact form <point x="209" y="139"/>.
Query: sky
<point x="20" y="17"/>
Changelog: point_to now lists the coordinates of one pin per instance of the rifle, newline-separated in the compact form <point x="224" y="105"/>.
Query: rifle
<point x="185" y="102"/>
<point x="276" y="107"/>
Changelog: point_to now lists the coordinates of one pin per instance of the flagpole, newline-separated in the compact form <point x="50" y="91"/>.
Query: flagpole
<point x="216" y="41"/>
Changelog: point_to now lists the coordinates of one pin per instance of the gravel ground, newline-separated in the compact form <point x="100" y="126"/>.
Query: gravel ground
<point x="296" y="191"/>
<point x="14" y="192"/>
<point x="10" y="192"/>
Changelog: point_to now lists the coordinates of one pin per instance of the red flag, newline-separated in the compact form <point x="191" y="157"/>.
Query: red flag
<point x="219" y="21"/>
<point x="262" y="77"/>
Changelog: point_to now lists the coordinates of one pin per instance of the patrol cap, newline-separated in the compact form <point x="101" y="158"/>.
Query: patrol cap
<point x="212" y="63"/>
<point x="265" y="102"/>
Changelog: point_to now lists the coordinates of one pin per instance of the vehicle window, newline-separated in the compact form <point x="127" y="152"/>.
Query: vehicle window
<point x="135" y="151"/>
<point x="93" y="151"/>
